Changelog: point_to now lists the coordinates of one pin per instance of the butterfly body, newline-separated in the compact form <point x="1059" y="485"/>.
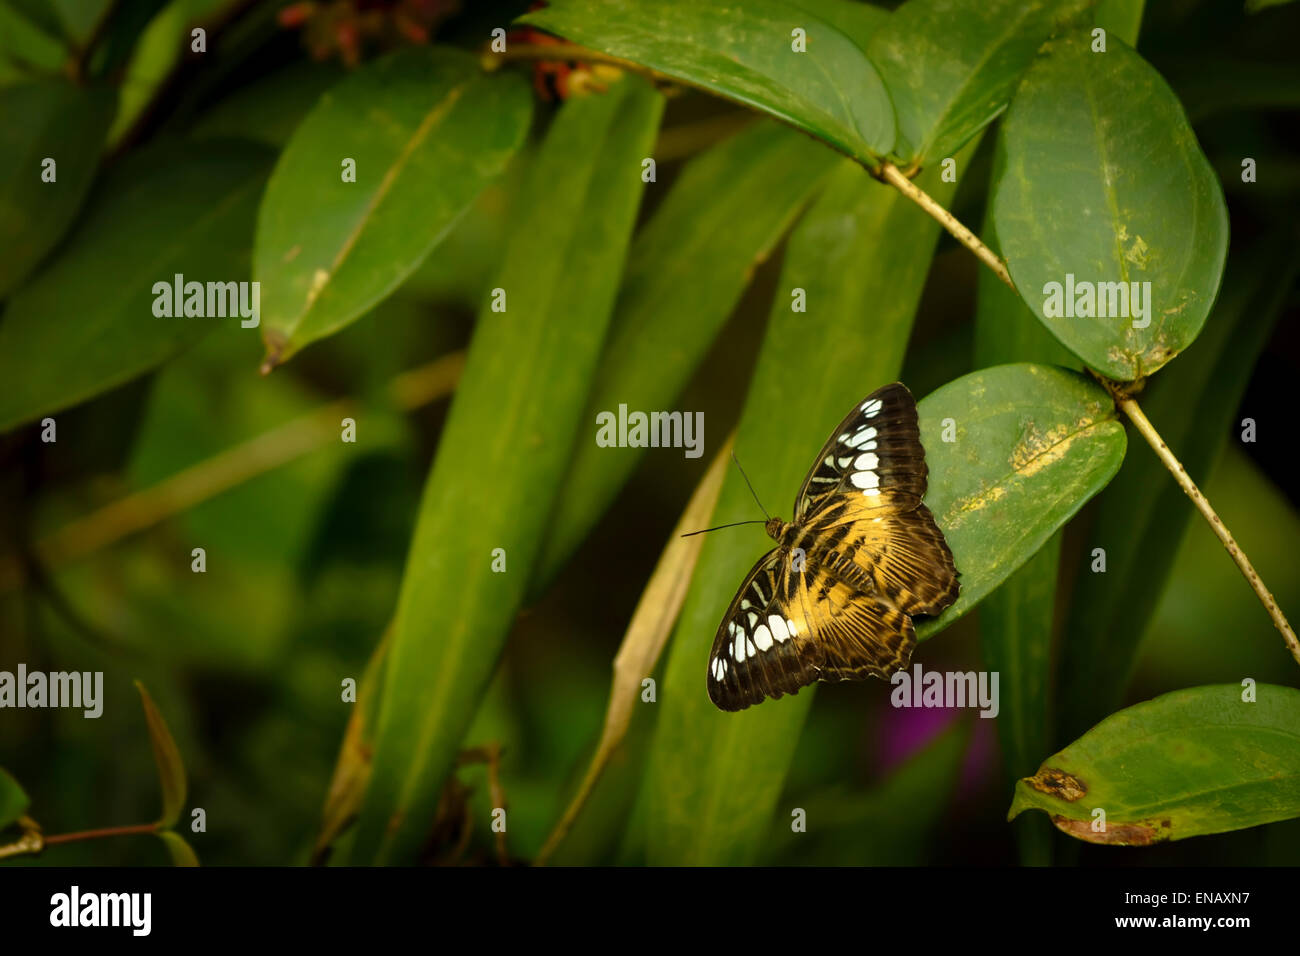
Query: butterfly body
<point x="834" y="600"/>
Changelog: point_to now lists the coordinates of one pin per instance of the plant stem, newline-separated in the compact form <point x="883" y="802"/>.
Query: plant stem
<point x="1125" y="402"/>
<point x="101" y="833"/>
<point x="1129" y="406"/>
<point x="895" y="177"/>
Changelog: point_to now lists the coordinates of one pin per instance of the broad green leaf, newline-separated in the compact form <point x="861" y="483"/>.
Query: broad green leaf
<point x="892" y="824"/>
<point x="861" y="253"/>
<point x="688" y="268"/>
<point x="86" y="323"/>
<point x="1192" y="762"/>
<point x="171" y="770"/>
<point x="951" y="65"/>
<point x="13" y="799"/>
<point x="182" y="853"/>
<point x="428" y="130"/>
<point x="516" y="415"/>
<point x="1125" y="198"/>
<point x="48" y="120"/>
<point x="744" y="52"/>
<point x="1033" y="444"/>
<point x="1141" y="518"/>
<point x="856" y="19"/>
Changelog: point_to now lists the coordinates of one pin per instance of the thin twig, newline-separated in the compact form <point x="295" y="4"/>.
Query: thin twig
<point x="895" y="177"/>
<point x="1129" y="406"/>
<point x="102" y="832"/>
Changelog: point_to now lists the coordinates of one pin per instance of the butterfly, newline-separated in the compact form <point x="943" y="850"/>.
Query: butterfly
<point x="835" y="599"/>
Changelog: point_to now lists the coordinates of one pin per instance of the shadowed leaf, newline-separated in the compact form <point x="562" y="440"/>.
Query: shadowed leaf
<point x="174" y="209"/>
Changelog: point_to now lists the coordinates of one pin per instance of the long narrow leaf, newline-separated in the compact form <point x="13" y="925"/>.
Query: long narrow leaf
<point x="514" y="420"/>
<point x="687" y="270"/>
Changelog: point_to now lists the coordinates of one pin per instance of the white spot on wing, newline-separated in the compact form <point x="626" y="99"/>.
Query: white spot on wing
<point x="867" y="462"/>
<point x="865" y="479"/>
<point x="872" y="408"/>
<point x="860" y="438"/>
<point x="763" y="637"/>
<point x="779" y="629"/>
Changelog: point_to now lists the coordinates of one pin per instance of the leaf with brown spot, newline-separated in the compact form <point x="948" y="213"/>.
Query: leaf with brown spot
<point x="1196" y="761"/>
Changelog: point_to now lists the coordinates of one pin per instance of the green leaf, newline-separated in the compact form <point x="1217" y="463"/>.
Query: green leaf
<point x="516" y="415"/>
<point x="855" y="19"/>
<point x="13" y="799"/>
<point x="951" y="65"/>
<point x="58" y="121"/>
<point x="428" y="130"/>
<point x="861" y="254"/>
<point x="182" y="209"/>
<point x="1033" y="444"/>
<point x="744" y="53"/>
<point x="688" y="268"/>
<point x="171" y="770"/>
<point x="1126" y="197"/>
<point x="182" y="853"/>
<point x="1142" y="517"/>
<point x="1196" y="761"/>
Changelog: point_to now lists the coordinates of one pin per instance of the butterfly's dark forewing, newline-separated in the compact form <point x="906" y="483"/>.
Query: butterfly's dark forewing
<point x="873" y="458"/>
<point x="760" y="650"/>
<point x="871" y="556"/>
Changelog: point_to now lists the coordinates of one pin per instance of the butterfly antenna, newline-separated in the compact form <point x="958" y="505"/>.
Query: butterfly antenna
<point x="735" y="524"/>
<point x="751" y="487"/>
